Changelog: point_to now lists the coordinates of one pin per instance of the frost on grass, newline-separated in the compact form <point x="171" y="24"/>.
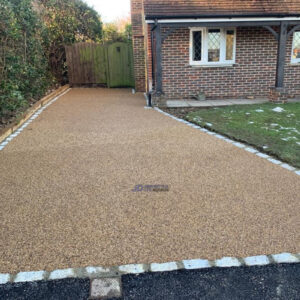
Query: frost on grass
<point x="197" y="119"/>
<point x="296" y="131"/>
<point x="278" y="109"/>
<point x="274" y="126"/>
<point x="289" y="138"/>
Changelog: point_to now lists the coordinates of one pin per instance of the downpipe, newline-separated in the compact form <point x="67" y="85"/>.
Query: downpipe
<point x="148" y="97"/>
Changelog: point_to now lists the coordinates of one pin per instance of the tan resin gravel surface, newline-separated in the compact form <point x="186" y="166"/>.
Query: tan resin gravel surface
<point x="66" y="195"/>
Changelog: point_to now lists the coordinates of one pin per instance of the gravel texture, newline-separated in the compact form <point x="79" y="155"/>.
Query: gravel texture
<point x="66" y="190"/>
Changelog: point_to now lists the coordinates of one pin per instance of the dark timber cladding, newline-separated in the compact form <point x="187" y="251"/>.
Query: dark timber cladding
<point x="281" y="37"/>
<point x="281" y="55"/>
<point x="158" y="59"/>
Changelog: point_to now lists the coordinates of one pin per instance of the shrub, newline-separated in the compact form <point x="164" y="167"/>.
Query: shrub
<point x="67" y="22"/>
<point x="23" y="66"/>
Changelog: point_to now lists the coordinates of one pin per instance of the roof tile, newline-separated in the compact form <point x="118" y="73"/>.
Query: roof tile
<point x="220" y="7"/>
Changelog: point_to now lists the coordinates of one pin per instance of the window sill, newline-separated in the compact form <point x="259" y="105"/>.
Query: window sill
<point x="294" y="64"/>
<point x="213" y="65"/>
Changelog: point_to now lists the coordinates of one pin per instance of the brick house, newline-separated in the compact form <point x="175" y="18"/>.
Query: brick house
<point x="222" y="49"/>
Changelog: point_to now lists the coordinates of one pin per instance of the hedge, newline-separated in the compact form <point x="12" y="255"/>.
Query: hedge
<point x="32" y="39"/>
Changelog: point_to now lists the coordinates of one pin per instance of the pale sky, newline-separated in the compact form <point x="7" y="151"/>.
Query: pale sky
<point x="111" y="9"/>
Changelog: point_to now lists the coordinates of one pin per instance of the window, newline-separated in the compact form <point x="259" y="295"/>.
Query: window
<point x="212" y="46"/>
<point x="296" y="48"/>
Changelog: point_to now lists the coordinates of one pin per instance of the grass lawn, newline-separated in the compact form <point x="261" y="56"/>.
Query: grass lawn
<point x="272" y="128"/>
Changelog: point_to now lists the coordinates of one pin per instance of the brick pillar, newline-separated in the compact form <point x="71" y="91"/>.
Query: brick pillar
<point x="138" y="39"/>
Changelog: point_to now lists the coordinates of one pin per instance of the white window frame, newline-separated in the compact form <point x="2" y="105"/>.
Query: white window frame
<point x="204" y="56"/>
<point x="294" y="60"/>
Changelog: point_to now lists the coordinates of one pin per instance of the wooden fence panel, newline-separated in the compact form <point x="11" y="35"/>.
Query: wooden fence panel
<point x="91" y="63"/>
<point x="86" y="63"/>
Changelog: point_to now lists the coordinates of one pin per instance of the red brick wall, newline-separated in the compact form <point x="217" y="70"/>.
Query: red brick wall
<point x="253" y="74"/>
<point x="138" y="39"/>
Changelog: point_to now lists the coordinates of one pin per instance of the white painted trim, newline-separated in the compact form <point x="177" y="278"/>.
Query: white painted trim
<point x="204" y="57"/>
<point x="294" y="60"/>
<point x="192" y="30"/>
<point x="222" y="20"/>
<point x="214" y="65"/>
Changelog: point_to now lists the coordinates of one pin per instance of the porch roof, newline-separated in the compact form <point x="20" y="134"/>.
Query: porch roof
<point x="165" y="9"/>
<point x="226" y="21"/>
<point x="287" y="26"/>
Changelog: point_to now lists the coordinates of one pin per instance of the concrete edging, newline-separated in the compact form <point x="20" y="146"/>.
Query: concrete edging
<point x="31" y="111"/>
<point x="193" y="264"/>
<point x="235" y="143"/>
<point x="34" y="112"/>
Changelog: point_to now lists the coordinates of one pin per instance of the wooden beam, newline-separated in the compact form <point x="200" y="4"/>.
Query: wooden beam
<point x="158" y="41"/>
<point x="228" y="24"/>
<point x="166" y="34"/>
<point x="281" y="55"/>
<point x="272" y="31"/>
<point x="293" y="30"/>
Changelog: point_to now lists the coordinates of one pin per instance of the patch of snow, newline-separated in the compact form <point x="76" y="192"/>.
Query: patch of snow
<point x="296" y="131"/>
<point x="287" y="128"/>
<point x="251" y="122"/>
<point x="291" y="115"/>
<point x="278" y="109"/>
<point x="298" y="143"/>
<point x="197" y="119"/>
<point x="259" y="110"/>
<point x="247" y="113"/>
<point x="274" y="124"/>
<point x="209" y="124"/>
<point x="287" y="138"/>
<point x="265" y="147"/>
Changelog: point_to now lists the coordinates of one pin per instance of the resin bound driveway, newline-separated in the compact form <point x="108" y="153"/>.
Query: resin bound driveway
<point x="66" y="190"/>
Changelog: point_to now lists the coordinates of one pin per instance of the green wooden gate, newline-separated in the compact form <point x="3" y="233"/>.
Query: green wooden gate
<point x="96" y="64"/>
<point x="120" y="63"/>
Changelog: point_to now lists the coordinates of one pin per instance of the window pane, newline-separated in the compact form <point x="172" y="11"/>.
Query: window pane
<point x="214" y="42"/>
<point x="197" y="50"/>
<point x="229" y="44"/>
<point x="296" y="43"/>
